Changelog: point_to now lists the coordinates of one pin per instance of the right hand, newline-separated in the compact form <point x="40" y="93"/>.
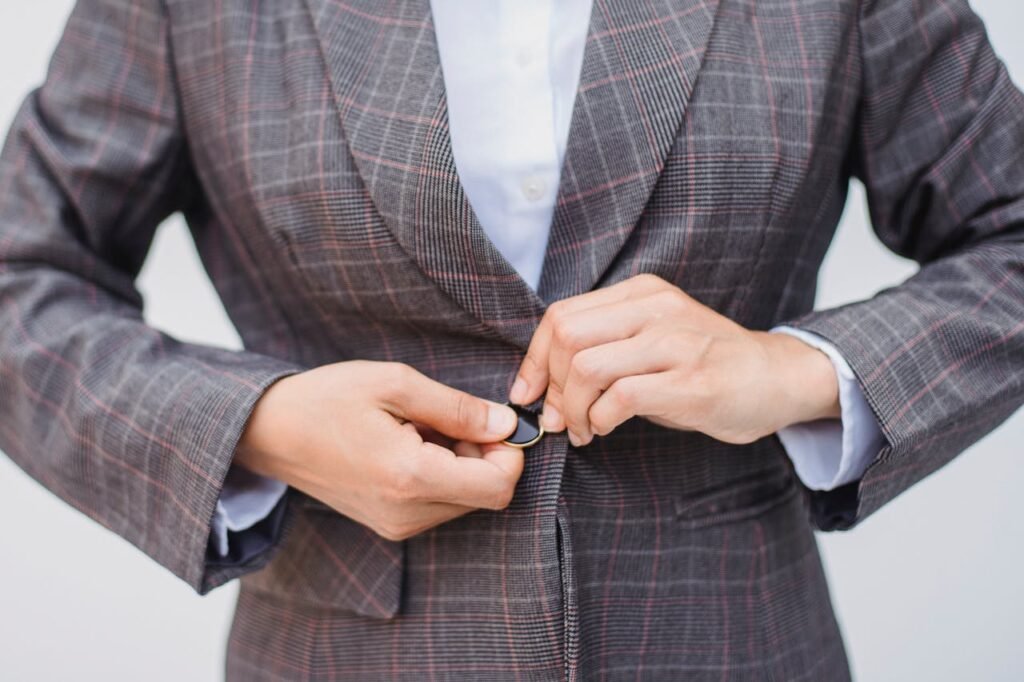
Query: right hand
<point x="384" y="445"/>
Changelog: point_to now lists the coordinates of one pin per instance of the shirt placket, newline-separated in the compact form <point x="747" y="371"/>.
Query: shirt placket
<point x="530" y="147"/>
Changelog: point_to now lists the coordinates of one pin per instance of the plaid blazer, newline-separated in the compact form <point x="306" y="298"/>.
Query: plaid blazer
<point x="306" y="142"/>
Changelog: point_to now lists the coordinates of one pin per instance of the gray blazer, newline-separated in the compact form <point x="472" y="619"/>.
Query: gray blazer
<point x="306" y="141"/>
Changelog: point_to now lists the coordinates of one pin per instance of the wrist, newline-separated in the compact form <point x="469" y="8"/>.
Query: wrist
<point x="807" y="379"/>
<point x="257" y="449"/>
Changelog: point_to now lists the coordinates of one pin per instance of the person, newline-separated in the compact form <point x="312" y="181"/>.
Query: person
<point x="611" y="213"/>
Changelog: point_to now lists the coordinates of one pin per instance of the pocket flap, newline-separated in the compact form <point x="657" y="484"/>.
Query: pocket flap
<point x="737" y="499"/>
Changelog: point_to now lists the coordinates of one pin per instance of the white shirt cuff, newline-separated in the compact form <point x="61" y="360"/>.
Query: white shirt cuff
<point x="828" y="453"/>
<point x="245" y="500"/>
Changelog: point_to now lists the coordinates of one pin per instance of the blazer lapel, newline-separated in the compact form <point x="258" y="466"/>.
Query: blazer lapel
<point x="639" y="69"/>
<point x="640" y="63"/>
<point x="386" y="77"/>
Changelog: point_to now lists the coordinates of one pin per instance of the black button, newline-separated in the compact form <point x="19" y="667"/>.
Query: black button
<point x="528" y="430"/>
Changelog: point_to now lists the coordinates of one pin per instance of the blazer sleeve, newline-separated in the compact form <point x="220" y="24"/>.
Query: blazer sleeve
<point x="939" y="147"/>
<point x="123" y="422"/>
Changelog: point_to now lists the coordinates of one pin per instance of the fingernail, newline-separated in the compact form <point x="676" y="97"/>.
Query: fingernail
<point x="574" y="439"/>
<point x="501" y="420"/>
<point x="549" y="417"/>
<point x="518" y="392"/>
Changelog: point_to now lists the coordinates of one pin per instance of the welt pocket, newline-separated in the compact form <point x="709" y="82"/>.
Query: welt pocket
<point x="737" y="499"/>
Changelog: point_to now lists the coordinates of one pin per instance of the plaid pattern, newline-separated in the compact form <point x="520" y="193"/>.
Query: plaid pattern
<point x="306" y="142"/>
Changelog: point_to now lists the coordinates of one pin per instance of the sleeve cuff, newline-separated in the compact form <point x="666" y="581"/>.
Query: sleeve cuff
<point x="828" y="453"/>
<point x="245" y="500"/>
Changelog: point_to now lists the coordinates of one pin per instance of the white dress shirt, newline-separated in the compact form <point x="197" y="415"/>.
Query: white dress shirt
<point x="511" y="69"/>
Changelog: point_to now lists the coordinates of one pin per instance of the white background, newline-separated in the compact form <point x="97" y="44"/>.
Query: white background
<point x="930" y="588"/>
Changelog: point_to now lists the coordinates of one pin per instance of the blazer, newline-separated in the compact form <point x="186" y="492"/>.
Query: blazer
<point x="306" y="142"/>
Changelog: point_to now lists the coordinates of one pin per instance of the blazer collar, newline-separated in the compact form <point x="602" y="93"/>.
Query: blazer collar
<point x="640" y="64"/>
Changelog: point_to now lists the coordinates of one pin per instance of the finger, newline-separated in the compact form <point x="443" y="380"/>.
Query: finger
<point x="486" y="482"/>
<point x="452" y="412"/>
<point x="631" y="396"/>
<point x="586" y="329"/>
<point x="592" y="327"/>
<point x="594" y="369"/>
<point x="551" y="415"/>
<point x="532" y="377"/>
<point x="509" y="459"/>
<point x="466" y="448"/>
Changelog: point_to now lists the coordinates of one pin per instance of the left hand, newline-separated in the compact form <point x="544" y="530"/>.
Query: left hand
<point x="643" y="347"/>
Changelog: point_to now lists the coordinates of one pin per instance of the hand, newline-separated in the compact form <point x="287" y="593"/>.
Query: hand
<point x="384" y="445"/>
<point x="645" y="348"/>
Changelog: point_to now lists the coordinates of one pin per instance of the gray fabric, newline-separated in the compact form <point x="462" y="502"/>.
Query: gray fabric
<point x="712" y="142"/>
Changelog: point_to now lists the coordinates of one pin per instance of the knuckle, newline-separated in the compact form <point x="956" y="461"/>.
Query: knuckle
<point x="394" y="532"/>
<point x="650" y="281"/>
<point x="387" y="532"/>
<point x="742" y="438"/>
<point x="669" y="345"/>
<point x="565" y="335"/>
<point x="668" y="299"/>
<point x="600" y="418"/>
<point x="598" y="424"/>
<point x="585" y="366"/>
<point x="551" y="315"/>
<point x="502" y="497"/>
<point x="360" y="369"/>
<point x="398" y="525"/>
<point x="398" y="380"/>
<point x="621" y="395"/>
<point x="395" y="370"/>
<point x="404" y="482"/>
<point x="556" y="311"/>
<point x="575" y="418"/>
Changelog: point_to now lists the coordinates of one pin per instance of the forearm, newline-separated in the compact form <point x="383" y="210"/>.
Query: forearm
<point x="124" y="422"/>
<point x="128" y="425"/>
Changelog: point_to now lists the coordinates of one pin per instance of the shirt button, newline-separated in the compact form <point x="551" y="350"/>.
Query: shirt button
<point x="533" y="187"/>
<point x="524" y="57"/>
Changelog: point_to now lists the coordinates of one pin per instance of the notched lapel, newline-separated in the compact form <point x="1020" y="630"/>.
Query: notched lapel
<point x="386" y="77"/>
<point x="639" y="69"/>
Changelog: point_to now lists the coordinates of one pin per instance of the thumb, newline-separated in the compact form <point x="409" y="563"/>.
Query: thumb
<point x="452" y="412"/>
